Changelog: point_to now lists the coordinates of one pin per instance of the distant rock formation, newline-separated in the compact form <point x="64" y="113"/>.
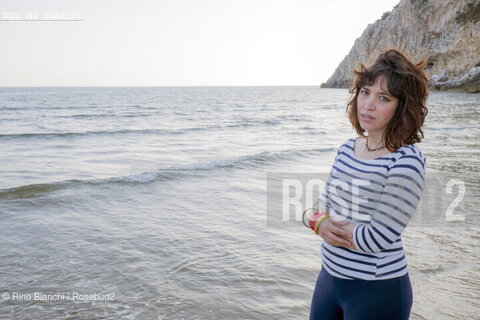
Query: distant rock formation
<point x="445" y="32"/>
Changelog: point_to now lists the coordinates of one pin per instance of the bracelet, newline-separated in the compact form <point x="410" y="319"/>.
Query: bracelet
<point x="303" y="216"/>
<point x="314" y="218"/>
<point x="317" y="225"/>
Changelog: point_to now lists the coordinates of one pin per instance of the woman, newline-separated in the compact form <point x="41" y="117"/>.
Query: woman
<point x="373" y="190"/>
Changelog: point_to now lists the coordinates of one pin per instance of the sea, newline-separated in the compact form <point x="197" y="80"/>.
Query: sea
<point x="153" y="203"/>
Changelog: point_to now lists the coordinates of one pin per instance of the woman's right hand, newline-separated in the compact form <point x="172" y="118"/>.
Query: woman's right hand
<point x="334" y="235"/>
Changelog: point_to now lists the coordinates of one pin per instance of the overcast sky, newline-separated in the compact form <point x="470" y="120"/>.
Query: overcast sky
<point x="179" y="42"/>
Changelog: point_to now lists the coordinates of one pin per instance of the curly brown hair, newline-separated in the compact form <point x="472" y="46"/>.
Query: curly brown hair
<point x="406" y="81"/>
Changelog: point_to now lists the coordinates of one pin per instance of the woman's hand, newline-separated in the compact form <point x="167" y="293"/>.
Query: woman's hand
<point x="337" y="233"/>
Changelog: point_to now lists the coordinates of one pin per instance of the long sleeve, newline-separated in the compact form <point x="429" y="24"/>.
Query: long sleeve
<point x="323" y="199"/>
<point x="397" y="204"/>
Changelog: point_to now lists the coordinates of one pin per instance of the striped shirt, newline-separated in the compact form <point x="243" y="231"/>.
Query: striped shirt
<point x="380" y="196"/>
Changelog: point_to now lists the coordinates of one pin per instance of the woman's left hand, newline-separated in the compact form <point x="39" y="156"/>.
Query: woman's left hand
<point x="333" y="234"/>
<point x="347" y="227"/>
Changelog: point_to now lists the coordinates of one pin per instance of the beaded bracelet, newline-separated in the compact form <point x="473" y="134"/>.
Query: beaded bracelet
<point x="319" y="221"/>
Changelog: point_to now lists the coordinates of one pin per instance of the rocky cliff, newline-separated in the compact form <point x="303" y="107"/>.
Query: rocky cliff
<point x="445" y="32"/>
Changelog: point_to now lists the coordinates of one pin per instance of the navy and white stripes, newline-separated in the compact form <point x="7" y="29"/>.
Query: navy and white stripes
<point x="380" y="196"/>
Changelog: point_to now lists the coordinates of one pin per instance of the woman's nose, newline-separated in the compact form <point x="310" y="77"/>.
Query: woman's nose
<point x="369" y="104"/>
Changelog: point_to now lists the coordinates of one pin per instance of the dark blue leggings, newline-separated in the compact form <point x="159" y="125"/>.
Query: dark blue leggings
<point x="336" y="298"/>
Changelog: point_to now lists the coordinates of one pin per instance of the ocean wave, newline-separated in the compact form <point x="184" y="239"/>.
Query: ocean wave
<point x="37" y="190"/>
<point x="177" y="131"/>
<point x="253" y="123"/>
<point x="240" y="124"/>
<point x="103" y="132"/>
<point x="252" y="161"/>
<point x="255" y="160"/>
<point x="456" y="128"/>
<point x="73" y="134"/>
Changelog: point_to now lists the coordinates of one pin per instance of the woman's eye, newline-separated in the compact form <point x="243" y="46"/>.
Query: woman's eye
<point x="384" y="99"/>
<point x="363" y="91"/>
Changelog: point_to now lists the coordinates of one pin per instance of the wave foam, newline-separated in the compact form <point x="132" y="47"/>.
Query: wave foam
<point x="165" y="174"/>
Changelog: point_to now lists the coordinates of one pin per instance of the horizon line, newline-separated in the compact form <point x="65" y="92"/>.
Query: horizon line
<point x="167" y="86"/>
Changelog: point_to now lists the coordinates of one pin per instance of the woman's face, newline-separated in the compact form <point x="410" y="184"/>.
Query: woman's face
<point x="375" y="107"/>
